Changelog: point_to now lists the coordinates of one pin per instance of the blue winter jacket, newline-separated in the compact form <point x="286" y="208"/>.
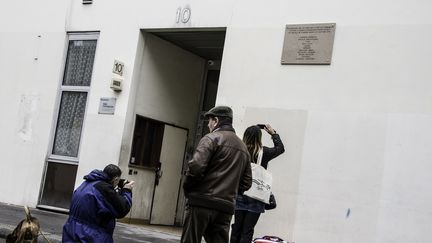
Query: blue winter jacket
<point x="94" y="208"/>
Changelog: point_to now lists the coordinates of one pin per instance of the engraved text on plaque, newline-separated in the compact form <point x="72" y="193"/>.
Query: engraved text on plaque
<point x="308" y="43"/>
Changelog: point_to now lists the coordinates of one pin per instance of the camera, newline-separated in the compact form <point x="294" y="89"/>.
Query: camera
<point x="122" y="182"/>
<point x="262" y="126"/>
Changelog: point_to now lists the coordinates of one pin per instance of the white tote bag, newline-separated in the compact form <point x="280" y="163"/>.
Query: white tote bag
<point x="261" y="182"/>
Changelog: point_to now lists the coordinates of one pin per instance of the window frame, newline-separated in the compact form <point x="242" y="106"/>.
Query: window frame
<point x="147" y="166"/>
<point x="66" y="88"/>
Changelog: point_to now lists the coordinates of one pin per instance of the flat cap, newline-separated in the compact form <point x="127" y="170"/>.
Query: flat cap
<point x="220" y="111"/>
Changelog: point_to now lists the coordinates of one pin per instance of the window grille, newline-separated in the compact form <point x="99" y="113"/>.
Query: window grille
<point x="69" y="123"/>
<point x="79" y="63"/>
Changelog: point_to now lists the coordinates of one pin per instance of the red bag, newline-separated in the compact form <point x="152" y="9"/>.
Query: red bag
<point x="270" y="239"/>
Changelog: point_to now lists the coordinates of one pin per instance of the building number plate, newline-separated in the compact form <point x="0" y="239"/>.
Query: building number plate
<point x="118" y="67"/>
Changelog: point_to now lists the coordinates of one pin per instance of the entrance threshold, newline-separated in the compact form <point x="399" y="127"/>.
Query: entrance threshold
<point x="172" y="230"/>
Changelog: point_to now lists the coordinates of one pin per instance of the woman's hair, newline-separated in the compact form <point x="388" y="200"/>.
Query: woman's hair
<point x="252" y="139"/>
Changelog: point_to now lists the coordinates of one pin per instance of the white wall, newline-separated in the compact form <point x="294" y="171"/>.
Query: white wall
<point x="404" y="203"/>
<point x="341" y="177"/>
<point x="31" y="51"/>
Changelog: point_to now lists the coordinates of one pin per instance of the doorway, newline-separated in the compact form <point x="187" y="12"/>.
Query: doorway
<point x="178" y="83"/>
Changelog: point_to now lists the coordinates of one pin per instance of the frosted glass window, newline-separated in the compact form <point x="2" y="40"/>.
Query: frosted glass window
<point x="79" y="63"/>
<point x="69" y="123"/>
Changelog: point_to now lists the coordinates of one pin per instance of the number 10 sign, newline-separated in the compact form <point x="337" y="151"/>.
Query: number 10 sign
<point x="118" y="67"/>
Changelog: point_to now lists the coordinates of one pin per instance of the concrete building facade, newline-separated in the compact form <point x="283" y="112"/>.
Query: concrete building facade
<point x="356" y="132"/>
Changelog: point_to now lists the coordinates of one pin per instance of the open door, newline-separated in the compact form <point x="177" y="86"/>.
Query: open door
<point x="166" y="190"/>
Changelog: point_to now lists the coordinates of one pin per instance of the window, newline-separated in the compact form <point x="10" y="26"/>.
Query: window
<point x="69" y="123"/>
<point x="61" y="168"/>
<point x="74" y="91"/>
<point x="59" y="185"/>
<point x="147" y="142"/>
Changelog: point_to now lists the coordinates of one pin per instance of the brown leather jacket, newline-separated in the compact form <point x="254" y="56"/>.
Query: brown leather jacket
<point x="220" y="168"/>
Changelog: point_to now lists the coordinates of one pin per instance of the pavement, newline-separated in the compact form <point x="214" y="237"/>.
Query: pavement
<point x="52" y="223"/>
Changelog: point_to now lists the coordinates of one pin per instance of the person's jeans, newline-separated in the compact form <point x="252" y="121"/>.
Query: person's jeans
<point x="243" y="227"/>
<point x="212" y="224"/>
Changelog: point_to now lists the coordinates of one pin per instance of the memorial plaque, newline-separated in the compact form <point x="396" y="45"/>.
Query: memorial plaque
<point x="308" y="43"/>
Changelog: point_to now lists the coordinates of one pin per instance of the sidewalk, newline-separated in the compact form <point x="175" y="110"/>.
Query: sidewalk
<point x="52" y="223"/>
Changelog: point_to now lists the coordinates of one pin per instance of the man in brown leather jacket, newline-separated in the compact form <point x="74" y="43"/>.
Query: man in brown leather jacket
<point x="219" y="170"/>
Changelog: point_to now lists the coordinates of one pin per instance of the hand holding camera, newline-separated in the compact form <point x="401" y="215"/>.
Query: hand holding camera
<point x="123" y="183"/>
<point x="267" y="128"/>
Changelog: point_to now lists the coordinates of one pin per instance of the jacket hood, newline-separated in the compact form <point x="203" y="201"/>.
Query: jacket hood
<point x="96" y="175"/>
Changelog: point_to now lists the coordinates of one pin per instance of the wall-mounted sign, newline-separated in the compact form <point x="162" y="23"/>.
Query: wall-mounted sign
<point x="308" y="43"/>
<point x="118" y="67"/>
<point x="107" y="105"/>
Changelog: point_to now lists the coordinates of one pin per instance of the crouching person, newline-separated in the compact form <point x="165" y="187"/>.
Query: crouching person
<point x="96" y="204"/>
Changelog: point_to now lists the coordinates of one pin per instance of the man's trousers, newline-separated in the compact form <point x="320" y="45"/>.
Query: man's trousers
<point x="212" y="224"/>
<point x="243" y="227"/>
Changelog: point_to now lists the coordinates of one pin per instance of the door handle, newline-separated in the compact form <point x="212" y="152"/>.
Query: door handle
<point x="158" y="175"/>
